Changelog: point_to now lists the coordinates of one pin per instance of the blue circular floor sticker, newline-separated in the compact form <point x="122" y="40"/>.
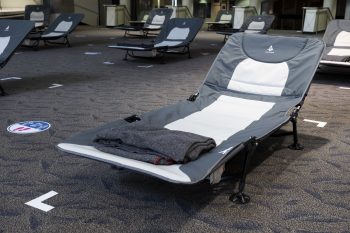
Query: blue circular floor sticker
<point x="28" y="127"/>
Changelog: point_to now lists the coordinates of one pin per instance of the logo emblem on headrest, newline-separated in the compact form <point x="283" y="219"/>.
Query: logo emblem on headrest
<point x="270" y="50"/>
<point x="7" y="29"/>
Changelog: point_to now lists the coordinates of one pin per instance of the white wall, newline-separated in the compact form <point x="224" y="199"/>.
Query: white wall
<point x="332" y="5"/>
<point x="18" y="3"/>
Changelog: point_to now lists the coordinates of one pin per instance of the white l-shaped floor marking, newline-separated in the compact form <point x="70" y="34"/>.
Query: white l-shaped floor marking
<point x="55" y="85"/>
<point x="320" y="124"/>
<point x="38" y="202"/>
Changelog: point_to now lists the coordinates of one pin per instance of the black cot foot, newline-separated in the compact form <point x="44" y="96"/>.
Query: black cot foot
<point x="2" y="91"/>
<point x="240" y="198"/>
<point x="296" y="146"/>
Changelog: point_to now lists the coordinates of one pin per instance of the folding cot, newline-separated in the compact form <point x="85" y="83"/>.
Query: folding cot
<point x="63" y="25"/>
<point x="337" y="39"/>
<point x="155" y="21"/>
<point x="253" y="24"/>
<point x="176" y="33"/>
<point x="223" y="20"/>
<point x="39" y="14"/>
<point x="250" y="92"/>
<point x="12" y="34"/>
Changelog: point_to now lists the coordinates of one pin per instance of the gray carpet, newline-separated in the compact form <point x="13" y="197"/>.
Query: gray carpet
<point x="291" y="191"/>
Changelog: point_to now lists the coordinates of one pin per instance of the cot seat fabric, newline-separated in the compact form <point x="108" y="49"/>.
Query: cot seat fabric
<point x="63" y="25"/>
<point x="39" y="14"/>
<point x="249" y="92"/>
<point x="12" y="34"/>
<point x="176" y="33"/>
<point x="154" y="21"/>
<point x="337" y="39"/>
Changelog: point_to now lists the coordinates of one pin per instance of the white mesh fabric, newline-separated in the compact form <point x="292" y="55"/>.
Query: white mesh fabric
<point x="256" y="77"/>
<point x="342" y="39"/>
<point x="4" y="42"/>
<point x="64" y="26"/>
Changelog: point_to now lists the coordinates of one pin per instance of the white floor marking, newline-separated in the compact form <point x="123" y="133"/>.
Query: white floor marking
<point x="205" y="54"/>
<point x="92" y="53"/>
<point x="344" y="88"/>
<point x="18" y="53"/>
<point x="55" y="85"/>
<point x="108" y="63"/>
<point x="320" y="124"/>
<point x="38" y="202"/>
<point x="150" y="66"/>
<point x="10" y="78"/>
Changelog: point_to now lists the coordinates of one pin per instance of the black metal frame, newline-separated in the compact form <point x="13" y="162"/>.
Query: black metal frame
<point x="160" y="52"/>
<point x="36" y="43"/>
<point x="2" y="91"/>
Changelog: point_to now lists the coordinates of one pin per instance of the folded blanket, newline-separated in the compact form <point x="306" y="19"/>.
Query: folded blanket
<point x="153" y="145"/>
<point x="341" y="57"/>
<point x="336" y="58"/>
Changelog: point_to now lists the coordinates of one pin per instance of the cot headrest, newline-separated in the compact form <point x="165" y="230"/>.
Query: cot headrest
<point x="180" y="29"/>
<point x="65" y="22"/>
<point x="273" y="50"/>
<point x="159" y="14"/>
<point x="337" y="33"/>
<point x="255" y="64"/>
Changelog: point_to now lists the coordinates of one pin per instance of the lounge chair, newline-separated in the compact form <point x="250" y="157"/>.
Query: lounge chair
<point x="155" y="21"/>
<point x="63" y="25"/>
<point x="222" y="21"/>
<point x="249" y="93"/>
<point x="39" y="14"/>
<point x="176" y="33"/>
<point x="337" y="39"/>
<point x="12" y="34"/>
<point x="253" y="24"/>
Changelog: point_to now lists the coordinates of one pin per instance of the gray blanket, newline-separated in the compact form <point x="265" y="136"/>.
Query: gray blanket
<point x="153" y="145"/>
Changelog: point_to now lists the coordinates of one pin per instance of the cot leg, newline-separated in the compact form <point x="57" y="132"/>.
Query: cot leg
<point x="67" y="42"/>
<point x="240" y="197"/>
<point x="2" y="91"/>
<point x="126" y="56"/>
<point x="189" y="52"/>
<point x="296" y="145"/>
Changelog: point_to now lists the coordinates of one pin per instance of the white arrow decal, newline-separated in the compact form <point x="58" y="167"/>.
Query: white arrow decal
<point x="54" y="85"/>
<point x="38" y="202"/>
<point x="320" y="124"/>
<point x="344" y="88"/>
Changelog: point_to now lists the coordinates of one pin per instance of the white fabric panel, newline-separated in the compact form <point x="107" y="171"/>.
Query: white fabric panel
<point x="168" y="43"/>
<point x="64" y="26"/>
<point x="339" y="52"/>
<point x="223" y="118"/>
<point x="153" y="27"/>
<point x="4" y="42"/>
<point x="53" y="34"/>
<point x="342" y="39"/>
<point x="158" y="19"/>
<point x="178" y="33"/>
<point x="256" y="77"/>
<point x="256" y="25"/>
<point x="171" y="172"/>
<point x="38" y="24"/>
<point x="225" y="18"/>
<point x="37" y="16"/>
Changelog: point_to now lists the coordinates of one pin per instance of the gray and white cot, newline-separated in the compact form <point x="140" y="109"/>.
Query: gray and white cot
<point x="223" y="20"/>
<point x="154" y="22"/>
<point x="12" y="34"/>
<point x="253" y="24"/>
<point x="337" y="39"/>
<point x="176" y="33"/>
<point x="256" y="84"/>
<point x="39" y="14"/>
<point x="63" y="25"/>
